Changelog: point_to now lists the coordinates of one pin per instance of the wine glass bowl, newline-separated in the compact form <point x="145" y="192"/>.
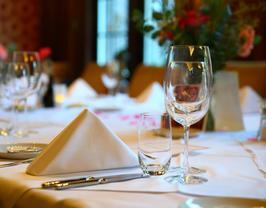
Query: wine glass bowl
<point x="35" y="70"/>
<point x="187" y="89"/>
<point x="15" y="85"/>
<point x="17" y="80"/>
<point x="32" y="60"/>
<point x="110" y="77"/>
<point x="187" y="100"/>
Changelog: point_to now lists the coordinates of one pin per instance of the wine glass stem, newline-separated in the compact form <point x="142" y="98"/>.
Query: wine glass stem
<point x="111" y="91"/>
<point x="185" y="159"/>
<point x="24" y="106"/>
<point x="14" y="121"/>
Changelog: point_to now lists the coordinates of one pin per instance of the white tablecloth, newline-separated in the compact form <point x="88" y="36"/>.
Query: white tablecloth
<point x="231" y="170"/>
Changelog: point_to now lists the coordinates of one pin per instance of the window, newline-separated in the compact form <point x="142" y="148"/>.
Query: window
<point x="153" y="54"/>
<point x="112" y="29"/>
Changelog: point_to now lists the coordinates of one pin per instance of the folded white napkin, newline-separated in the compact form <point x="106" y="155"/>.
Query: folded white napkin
<point x="81" y="89"/>
<point x="226" y="102"/>
<point x="86" y="144"/>
<point x="250" y="100"/>
<point x="152" y="97"/>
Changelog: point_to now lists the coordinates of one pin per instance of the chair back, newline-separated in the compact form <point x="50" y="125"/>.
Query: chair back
<point x="92" y="74"/>
<point x="143" y="76"/>
<point x="250" y="73"/>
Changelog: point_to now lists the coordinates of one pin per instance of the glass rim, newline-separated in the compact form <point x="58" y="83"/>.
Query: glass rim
<point x="154" y="113"/>
<point x="183" y="46"/>
<point x="29" y="52"/>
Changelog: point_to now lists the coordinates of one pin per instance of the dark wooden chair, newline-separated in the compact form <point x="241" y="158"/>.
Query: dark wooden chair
<point x="250" y="73"/>
<point x="143" y="76"/>
<point x="92" y="74"/>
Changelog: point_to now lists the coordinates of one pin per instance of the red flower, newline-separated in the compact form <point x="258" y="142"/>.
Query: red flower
<point x="3" y="52"/>
<point x="169" y="35"/>
<point x="247" y="34"/>
<point x="45" y="52"/>
<point x="192" y="18"/>
<point x="166" y="35"/>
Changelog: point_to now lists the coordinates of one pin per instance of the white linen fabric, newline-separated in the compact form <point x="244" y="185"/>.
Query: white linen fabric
<point x="231" y="170"/>
<point x="86" y="144"/>
<point x="250" y="100"/>
<point x="80" y="89"/>
<point x="258" y="153"/>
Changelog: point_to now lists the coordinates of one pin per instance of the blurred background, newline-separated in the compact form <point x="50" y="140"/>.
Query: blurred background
<point x="81" y="32"/>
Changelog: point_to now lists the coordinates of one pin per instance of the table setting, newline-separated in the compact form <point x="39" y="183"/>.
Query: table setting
<point x="96" y="150"/>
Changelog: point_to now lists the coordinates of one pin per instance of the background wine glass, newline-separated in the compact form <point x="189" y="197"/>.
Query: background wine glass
<point x="6" y="126"/>
<point x="35" y="70"/>
<point x="110" y="77"/>
<point x="15" y="85"/>
<point x="187" y="88"/>
<point x="32" y="59"/>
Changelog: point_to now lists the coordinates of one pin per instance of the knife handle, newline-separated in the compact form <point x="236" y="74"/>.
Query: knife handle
<point x="54" y="184"/>
<point x="76" y="184"/>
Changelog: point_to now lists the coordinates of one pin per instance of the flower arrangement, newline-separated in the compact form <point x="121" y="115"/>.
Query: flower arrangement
<point x="45" y="58"/>
<point x="44" y="53"/>
<point x="3" y="53"/>
<point x="226" y="26"/>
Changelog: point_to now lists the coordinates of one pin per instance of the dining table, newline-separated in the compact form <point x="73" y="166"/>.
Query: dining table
<point x="234" y="162"/>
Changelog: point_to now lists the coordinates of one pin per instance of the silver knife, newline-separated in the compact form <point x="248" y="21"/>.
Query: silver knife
<point x="16" y="163"/>
<point x="89" y="181"/>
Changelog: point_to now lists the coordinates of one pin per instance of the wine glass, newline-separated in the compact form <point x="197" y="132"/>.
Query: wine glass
<point x="187" y="87"/>
<point x="32" y="59"/>
<point x="15" y="86"/>
<point x="35" y="70"/>
<point x="110" y="77"/>
<point x="6" y="127"/>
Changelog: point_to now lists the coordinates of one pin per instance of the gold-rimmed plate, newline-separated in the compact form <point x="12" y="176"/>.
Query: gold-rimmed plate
<point x="20" y="150"/>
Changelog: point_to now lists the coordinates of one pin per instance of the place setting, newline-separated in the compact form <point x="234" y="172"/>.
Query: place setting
<point x="115" y="103"/>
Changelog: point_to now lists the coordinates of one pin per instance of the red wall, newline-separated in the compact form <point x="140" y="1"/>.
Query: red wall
<point x="20" y="23"/>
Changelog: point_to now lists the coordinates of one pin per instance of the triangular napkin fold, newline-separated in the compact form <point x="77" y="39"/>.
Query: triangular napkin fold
<point x="152" y="98"/>
<point x="152" y="92"/>
<point x="81" y="89"/>
<point x="250" y="100"/>
<point x="86" y="144"/>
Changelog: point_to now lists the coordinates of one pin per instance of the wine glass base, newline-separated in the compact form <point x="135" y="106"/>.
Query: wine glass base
<point x="22" y="132"/>
<point x="191" y="170"/>
<point x="5" y="131"/>
<point x="185" y="179"/>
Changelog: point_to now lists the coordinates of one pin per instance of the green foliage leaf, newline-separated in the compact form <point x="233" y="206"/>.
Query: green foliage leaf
<point x="148" y="28"/>
<point x="155" y="34"/>
<point x="157" y="15"/>
<point x="257" y="39"/>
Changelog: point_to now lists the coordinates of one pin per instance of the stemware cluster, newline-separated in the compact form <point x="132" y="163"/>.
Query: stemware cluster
<point x="20" y="79"/>
<point x="187" y="87"/>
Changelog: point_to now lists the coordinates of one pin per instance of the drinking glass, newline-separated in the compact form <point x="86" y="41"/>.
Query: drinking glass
<point x="32" y="59"/>
<point x="187" y="86"/>
<point x="5" y="128"/>
<point x="16" y="84"/>
<point x="35" y="70"/>
<point x="110" y="77"/>
<point x="154" y="143"/>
